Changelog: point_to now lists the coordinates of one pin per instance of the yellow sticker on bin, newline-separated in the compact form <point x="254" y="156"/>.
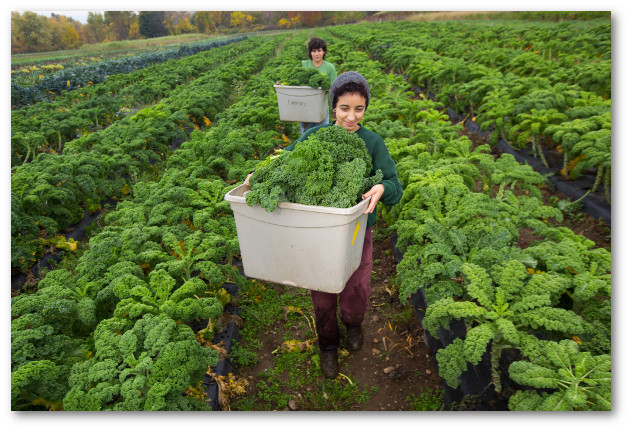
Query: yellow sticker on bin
<point x="356" y="230"/>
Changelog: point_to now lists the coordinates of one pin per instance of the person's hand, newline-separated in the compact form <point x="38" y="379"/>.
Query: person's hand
<point x="246" y="182"/>
<point x="376" y="192"/>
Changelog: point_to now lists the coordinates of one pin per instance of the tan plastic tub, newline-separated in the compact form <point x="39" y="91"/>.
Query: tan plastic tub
<point x="312" y="247"/>
<point x="303" y="104"/>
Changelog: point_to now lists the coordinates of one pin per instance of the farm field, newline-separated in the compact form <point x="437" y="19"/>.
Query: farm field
<point x="127" y="286"/>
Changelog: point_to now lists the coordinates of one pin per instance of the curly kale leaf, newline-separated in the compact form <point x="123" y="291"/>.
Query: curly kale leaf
<point x="32" y="338"/>
<point x="330" y="168"/>
<point x="581" y="381"/>
<point x="296" y="75"/>
<point x="502" y="305"/>
<point x="67" y="305"/>
<point x="186" y="303"/>
<point x="41" y="384"/>
<point x="145" y="367"/>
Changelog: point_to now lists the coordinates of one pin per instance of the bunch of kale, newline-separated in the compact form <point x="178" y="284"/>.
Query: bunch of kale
<point x="297" y="75"/>
<point x="330" y="168"/>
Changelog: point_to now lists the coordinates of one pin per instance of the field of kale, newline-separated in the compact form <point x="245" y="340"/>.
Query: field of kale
<point x="491" y="283"/>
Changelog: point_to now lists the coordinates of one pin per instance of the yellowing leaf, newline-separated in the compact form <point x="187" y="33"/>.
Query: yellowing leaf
<point x="294" y="345"/>
<point x="72" y="244"/>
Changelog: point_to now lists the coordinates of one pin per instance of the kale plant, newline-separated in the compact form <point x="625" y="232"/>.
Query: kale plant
<point x="564" y="379"/>
<point x="145" y="365"/>
<point x="503" y="307"/>
<point x="330" y="168"/>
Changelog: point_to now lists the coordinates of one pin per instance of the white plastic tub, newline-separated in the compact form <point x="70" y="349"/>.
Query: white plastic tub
<point x="312" y="247"/>
<point x="303" y="104"/>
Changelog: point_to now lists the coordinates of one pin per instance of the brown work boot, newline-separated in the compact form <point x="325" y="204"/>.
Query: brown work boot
<point x="328" y="363"/>
<point x="355" y="338"/>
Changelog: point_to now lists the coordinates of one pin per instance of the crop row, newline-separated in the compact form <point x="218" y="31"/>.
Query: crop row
<point x="547" y="87"/>
<point x="459" y="226"/>
<point x="54" y="191"/>
<point x="79" y="77"/>
<point x="46" y="126"/>
<point x="161" y="261"/>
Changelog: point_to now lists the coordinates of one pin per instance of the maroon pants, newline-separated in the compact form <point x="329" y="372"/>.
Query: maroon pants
<point x="353" y="301"/>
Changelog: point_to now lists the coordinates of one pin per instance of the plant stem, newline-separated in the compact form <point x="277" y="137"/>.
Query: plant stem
<point x="538" y="145"/>
<point x="598" y="178"/>
<point x="495" y="355"/>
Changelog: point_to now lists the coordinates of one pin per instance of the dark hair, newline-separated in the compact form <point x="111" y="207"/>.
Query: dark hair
<point x="316" y="43"/>
<point x="351" y="87"/>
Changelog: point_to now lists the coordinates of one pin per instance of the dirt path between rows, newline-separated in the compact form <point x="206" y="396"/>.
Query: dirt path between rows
<point x="394" y="358"/>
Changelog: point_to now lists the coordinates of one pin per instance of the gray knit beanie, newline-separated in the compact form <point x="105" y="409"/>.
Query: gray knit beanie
<point x="346" y="77"/>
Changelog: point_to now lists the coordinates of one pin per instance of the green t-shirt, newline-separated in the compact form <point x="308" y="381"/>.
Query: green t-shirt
<point x="380" y="160"/>
<point x="326" y="68"/>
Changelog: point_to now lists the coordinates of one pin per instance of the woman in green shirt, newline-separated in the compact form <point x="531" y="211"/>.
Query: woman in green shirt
<point x="350" y="96"/>
<point x="317" y="49"/>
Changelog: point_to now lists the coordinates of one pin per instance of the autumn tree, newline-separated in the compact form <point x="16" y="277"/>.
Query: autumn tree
<point x="30" y="32"/>
<point x="271" y="19"/>
<point x="134" y="31"/>
<point x="203" y="22"/>
<point x="96" y="28"/>
<point x="295" y="18"/>
<point x="151" y="24"/>
<point x="238" y="19"/>
<point x="221" y="18"/>
<point x="70" y="38"/>
<point x="312" y="19"/>
<point x="63" y="32"/>
<point x="118" y="23"/>
<point x="178" y="22"/>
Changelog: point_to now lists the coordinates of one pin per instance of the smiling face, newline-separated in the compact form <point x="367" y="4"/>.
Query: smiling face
<point x="349" y="111"/>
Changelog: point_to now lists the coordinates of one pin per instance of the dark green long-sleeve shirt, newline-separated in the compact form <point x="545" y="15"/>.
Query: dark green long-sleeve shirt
<point x="380" y="160"/>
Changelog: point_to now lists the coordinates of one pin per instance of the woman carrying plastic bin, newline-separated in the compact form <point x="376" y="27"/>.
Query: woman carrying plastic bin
<point x="350" y="96"/>
<point x="317" y="49"/>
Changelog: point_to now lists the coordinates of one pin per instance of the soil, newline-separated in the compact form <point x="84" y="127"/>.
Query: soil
<point x="394" y="357"/>
<point x="401" y="343"/>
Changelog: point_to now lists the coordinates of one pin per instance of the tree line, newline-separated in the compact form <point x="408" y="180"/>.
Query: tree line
<point x="31" y="32"/>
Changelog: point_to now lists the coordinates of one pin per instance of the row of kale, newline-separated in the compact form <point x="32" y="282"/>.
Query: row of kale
<point x="459" y="225"/>
<point x="162" y="259"/>
<point x="506" y="82"/>
<point x="51" y="193"/>
<point x="77" y="77"/>
<point x="47" y="125"/>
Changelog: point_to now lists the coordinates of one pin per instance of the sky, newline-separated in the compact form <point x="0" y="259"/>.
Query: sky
<point x="73" y="7"/>
<point x="80" y="16"/>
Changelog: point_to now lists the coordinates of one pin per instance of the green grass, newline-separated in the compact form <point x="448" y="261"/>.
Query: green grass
<point x="110" y="49"/>
<point x="427" y="400"/>
<point x="295" y="373"/>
